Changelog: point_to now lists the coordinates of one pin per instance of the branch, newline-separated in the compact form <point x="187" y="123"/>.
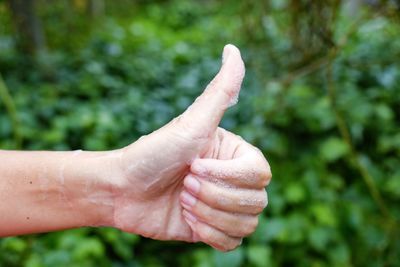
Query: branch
<point x="323" y="61"/>
<point x="8" y="101"/>
<point x="340" y="121"/>
<point x="354" y="155"/>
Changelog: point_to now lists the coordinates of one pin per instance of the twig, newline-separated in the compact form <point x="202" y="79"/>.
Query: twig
<point x="341" y="123"/>
<point x="8" y="101"/>
<point x="354" y="155"/>
<point x="323" y="61"/>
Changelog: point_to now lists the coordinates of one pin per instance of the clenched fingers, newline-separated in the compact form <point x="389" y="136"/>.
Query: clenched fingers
<point x="211" y="235"/>
<point x="247" y="167"/>
<point x="233" y="224"/>
<point x="223" y="197"/>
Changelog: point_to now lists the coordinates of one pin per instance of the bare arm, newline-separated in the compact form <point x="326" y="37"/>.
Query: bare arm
<point x="189" y="180"/>
<point x="47" y="191"/>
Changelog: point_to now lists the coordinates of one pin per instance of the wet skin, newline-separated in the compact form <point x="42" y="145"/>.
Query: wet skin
<point x="189" y="180"/>
<point x="200" y="182"/>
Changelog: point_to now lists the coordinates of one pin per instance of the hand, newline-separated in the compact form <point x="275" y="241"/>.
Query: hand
<point x="191" y="180"/>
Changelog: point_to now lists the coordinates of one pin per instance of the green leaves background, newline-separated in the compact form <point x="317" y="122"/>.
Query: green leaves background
<point x="328" y="122"/>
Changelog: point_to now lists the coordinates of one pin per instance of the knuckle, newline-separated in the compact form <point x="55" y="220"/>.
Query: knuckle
<point x="235" y="226"/>
<point x="242" y="231"/>
<point x="246" y="226"/>
<point x="224" y="248"/>
<point x="249" y="226"/>
<point x="264" y="176"/>
<point x="252" y="225"/>
<point x="232" y="246"/>
<point x="254" y="203"/>
<point x="229" y="246"/>
<point x="263" y="169"/>
<point x="264" y="200"/>
<point x="235" y="243"/>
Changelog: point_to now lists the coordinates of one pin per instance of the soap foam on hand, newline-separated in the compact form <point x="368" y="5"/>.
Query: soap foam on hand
<point x="234" y="79"/>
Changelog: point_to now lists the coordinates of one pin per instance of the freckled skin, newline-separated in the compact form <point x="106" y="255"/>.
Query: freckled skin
<point x="189" y="180"/>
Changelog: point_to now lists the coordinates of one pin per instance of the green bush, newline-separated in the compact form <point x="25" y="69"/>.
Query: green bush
<point x="331" y="134"/>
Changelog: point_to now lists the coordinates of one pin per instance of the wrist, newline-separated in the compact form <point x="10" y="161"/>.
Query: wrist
<point x="98" y="177"/>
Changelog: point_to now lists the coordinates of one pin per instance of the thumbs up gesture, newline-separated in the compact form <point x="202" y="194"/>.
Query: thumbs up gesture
<point x="191" y="180"/>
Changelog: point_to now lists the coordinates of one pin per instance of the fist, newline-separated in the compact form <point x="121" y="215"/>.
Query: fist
<point x="191" y="180"/>
<point x="224" y="192"/>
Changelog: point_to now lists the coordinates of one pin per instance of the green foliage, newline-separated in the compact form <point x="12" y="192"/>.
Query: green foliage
<point x="116" y="78"/>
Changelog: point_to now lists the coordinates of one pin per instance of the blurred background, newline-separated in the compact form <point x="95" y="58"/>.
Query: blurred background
<point x="321" y="99"/>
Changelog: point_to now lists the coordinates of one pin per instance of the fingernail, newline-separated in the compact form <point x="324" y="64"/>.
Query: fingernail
<point x="225" y="54"/>
<point x="188" y="199"/>
<point x="192" y="184"/>
<point x="190" y="217"/>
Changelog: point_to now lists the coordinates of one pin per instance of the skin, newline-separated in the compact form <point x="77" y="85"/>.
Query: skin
<point x="189" y="180"/>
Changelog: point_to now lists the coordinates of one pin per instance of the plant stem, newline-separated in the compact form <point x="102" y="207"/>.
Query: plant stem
<point x="354" y="155"/>
<point x="8" y="101"/>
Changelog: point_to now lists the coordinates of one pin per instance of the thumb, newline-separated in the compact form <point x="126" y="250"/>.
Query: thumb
<point x="207" y="111"/>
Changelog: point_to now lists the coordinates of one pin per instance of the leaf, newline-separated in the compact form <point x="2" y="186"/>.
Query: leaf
<point x="324" y="214"/>
<point x="333" y="148"/>
<point x="295" y="193"/>
<point x="392" y="185"/>
<point x="259" y="255"/>
<point x="232" y="258"/>
<point x="319" y="238"/>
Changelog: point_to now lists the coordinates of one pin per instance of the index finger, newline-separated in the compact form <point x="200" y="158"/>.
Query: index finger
<point x="250" y="170"/>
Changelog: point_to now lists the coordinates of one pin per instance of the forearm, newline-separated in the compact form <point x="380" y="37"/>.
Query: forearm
<point x="48" y="191"/>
